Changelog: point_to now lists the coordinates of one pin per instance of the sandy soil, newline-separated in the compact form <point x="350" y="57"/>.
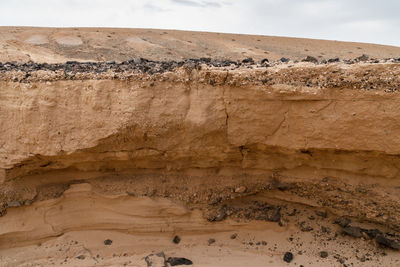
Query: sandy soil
<point x="133" y="228"/>
<point x="53" y="45"/>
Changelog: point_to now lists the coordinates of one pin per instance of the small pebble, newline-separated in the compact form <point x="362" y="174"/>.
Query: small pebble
<point x="176" y="239"/>
<point x="288" y="257"/>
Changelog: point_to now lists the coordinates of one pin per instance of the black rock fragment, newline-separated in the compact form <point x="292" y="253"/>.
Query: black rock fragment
<point x="387" y="242"/>
<point x="176" y="239"/>
<point x="353" y="231"/>
<point x="310" y="59"/>
<point x="288" y="257"/>
<point x="343" y="222"/>
<point x="323" y="254"/>
<point x="205" y="59"/>
<point x="175" y="261"/>
<point x="372" y="233"/>
<point x="107" y="242"/>
<point x="284" y="60"/>
<point x="363" y="57"/>
<point x="248" y="60"/>
<point x="274" y="215"/>
<point x="332" y="60"/>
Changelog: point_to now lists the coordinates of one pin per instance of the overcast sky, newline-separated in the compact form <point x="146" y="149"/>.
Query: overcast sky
<point x="373" y="21"/>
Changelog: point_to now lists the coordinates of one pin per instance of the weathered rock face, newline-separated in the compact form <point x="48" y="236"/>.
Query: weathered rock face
<point x="232" y="139"/>
<point x="265" y="119"/>
<point x="298" y="124"/>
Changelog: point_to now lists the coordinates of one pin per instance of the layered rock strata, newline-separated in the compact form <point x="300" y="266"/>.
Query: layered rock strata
<point x="202" y="133"/>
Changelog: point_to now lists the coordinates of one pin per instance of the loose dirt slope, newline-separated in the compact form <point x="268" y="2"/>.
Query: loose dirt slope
<point x="122" y="147"/>
<point x="53" y="45"/>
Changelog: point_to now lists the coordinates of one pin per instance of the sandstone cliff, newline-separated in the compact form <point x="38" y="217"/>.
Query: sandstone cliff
<point x="192" y="143"/>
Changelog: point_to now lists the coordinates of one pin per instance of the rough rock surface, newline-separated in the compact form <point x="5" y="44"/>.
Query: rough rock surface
<point x="205" y="145"/>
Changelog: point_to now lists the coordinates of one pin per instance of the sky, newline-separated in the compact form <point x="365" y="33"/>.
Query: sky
<point x="371" y="21"/>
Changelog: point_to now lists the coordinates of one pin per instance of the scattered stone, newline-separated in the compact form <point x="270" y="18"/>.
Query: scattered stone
<point x="304" y="227"/>
<point x="322" y="214"/>
<point x="288" y="257"/>
<point x="176" y="239"/>
<point x="354" y="231"/>
<point x="343" y="222"/>
<point x="390" y="243"/>
<point x="332" y="60"/>
<point x="211" y="241"/>
<point x="81" y="257"/>
<point x="264" y="61"/>
<point x="284" y="60"/>
<point x="340" y="259"/>
<point x="205" y="59"/>
<point x="107" y="242"/>
<point x="264" y="243"/>
<point x="174" y="261"/>
<point x="310" y="59"/>
<point x="323" y="254"/>
<point x="233" y="236"/>
<point x="248" y="60"/>
<point x="274" y="215"/>
<point x="240" y="189"/>
<point x="372" y="233"/>
<point x="216" y="216"/>
<point x="156" y="260"/>
<point x="363" y="57"/>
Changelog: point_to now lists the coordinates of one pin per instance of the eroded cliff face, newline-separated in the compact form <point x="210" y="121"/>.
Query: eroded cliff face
<point x="241" y="142"/>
